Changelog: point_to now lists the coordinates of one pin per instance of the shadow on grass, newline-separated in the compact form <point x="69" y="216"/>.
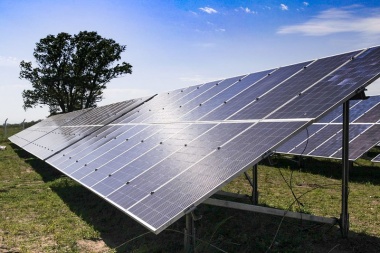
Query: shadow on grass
<point x="363" y="171"/>
<point x="226" y="229"/>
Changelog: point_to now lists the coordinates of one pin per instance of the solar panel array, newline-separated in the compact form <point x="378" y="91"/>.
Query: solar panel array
<point x="324" y="138"/>
<point x="159" y="160"/>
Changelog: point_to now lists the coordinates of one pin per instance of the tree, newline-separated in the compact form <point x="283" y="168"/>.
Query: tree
<point x="72" y="71"/>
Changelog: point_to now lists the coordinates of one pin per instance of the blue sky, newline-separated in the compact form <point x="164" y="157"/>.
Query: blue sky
<point x="173" y="44"/>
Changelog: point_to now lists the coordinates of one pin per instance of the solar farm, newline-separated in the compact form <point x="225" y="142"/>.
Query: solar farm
<point x="158" y="159"/>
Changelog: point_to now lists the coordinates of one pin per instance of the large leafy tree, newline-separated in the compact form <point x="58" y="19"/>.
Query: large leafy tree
<point x="72" y="71"/>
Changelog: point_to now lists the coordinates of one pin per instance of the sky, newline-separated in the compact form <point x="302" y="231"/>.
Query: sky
<point x="177" y="43"/>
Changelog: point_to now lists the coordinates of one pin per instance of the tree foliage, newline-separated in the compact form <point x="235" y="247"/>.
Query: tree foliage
<point x="72" y="71"/>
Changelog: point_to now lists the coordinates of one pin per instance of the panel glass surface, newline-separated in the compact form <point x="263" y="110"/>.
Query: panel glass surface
<point x="363" y="136"/>
<point x="227" y="94"/>
<point x="334" y="143"/>
<point x="300" y="140"/>
<point x="333" y="89"/>
<point x="204" y="177"/>
<point x="292" y="88"/>
<point x="363" y="143"/>
<point x="253" y="92"/>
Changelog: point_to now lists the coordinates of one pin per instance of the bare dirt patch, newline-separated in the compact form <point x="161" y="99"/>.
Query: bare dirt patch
<point x="95" y="246"/>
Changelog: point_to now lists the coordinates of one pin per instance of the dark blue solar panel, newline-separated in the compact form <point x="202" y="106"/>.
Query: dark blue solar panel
<point x="317" y="139"/>
<point x="126" y="139"/>
<point x="299" y="139"/>
<point x="334" y="143"/>
<point x="291" y="88"/>
<point x="237" y="89"/>
<point x="357" y="110"/>
<point x="336" y="114"/>
<point x="164" y="109"/>
<point x="77" y="125"/>
<point x="253" y="92"/>
<point x="363" y="113"/>
<point x="334" y="87"/>
<point x="371" y="116"/>
<point x="177" y="110"/>
<point x="191" y="152"/>
<point x="204" y="177"/>
<point x="43" y="128"/>
<point x="364" y="142"/>
<point x="171" y="138"/>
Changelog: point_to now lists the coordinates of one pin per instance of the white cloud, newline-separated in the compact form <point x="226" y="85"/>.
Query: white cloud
<point x="246" y="10"/>
<point x="336" y="20"/>
<point x="9" y="61"/>
<point x="305" y="3"/>
<point x="208" y="10"/>
<point x="220" y="30"/>
<point x="284" y="7"/>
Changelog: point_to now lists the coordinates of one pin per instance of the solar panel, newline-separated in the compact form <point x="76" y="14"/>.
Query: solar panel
<point x="376" y="159"/>
<point x="41" y="128"/>
<point x="160" y="159"/>
<point x="64" y="130"/>
<point x="324" y="138"/>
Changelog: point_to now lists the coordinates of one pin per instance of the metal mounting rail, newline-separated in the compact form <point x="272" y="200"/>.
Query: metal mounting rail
<point x="269" y="210"/>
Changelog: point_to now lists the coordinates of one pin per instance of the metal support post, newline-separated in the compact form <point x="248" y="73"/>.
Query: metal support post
<point x="255" y="193"/>
<point x="253" y="182"/>
<point x="300" y="162"/>
<point x="23" y="124"/>
<point x="5" y="129"/>
<point x="344" y="216"/>
<point x="189" y="239"/>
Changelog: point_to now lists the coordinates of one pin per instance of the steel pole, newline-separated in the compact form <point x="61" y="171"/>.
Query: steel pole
<point x="5" y="129"/>
<point x="344" y="216"/>
<point x="189" y="234"/>
<point x="255" y="193"/>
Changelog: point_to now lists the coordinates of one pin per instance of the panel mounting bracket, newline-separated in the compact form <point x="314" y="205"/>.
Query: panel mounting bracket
<point x="360" y="95"/>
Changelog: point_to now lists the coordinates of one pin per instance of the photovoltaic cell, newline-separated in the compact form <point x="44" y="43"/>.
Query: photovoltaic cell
<point x="335" y="141"/>
<point x="191" y="186"/>
<point x="300" y="140"/>
<point x="371" y="116"/>
<point x="327" y="140"/>
<point x="157" y="159"/>
<point x="258" y="88"/>
<point x="42" y="128"/>
<point x="309" y="76"/>
<point x="363" y="143"/>
<point x="334" y="88"/>
<point x="78" y="127"/>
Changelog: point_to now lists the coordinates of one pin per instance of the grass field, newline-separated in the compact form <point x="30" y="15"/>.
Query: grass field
<point x="41" y="210"/>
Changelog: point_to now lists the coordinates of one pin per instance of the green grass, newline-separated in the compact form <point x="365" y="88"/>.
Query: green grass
<point x="42" y="210"/>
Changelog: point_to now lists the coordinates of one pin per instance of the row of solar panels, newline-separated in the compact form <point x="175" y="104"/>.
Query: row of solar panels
<point x="157" y="158"/>
<point x="324" y="138"/>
